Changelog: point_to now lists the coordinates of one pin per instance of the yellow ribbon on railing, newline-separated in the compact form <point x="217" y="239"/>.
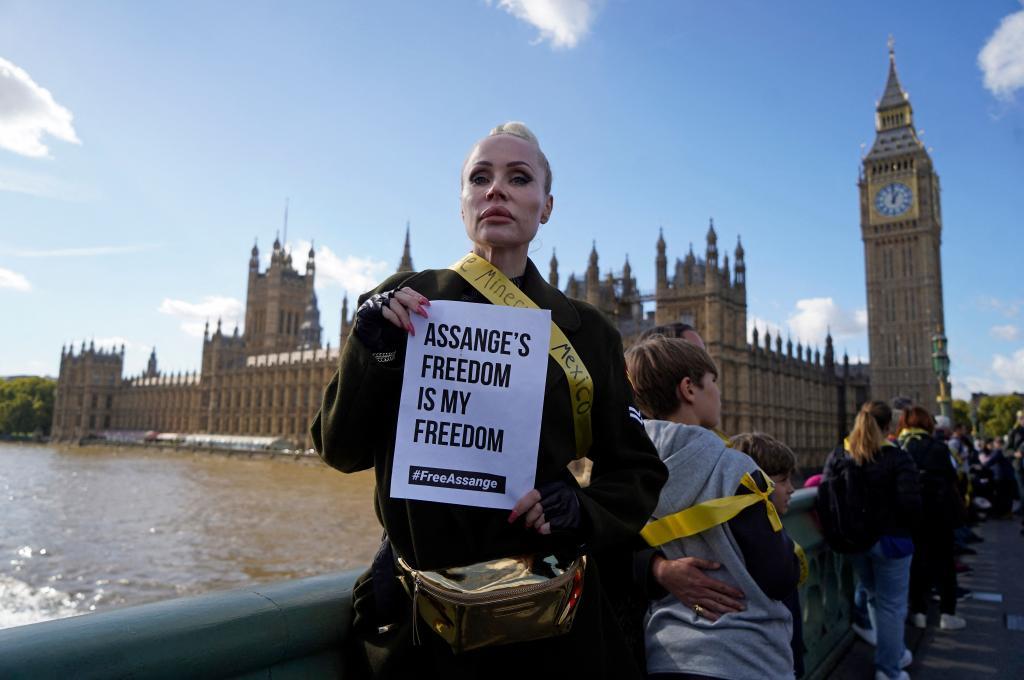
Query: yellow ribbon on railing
<point x="701" y="517"/>
<point x="495" y="286"/>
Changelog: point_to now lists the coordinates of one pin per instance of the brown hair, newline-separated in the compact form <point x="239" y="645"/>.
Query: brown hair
<point x="657" y="364"/>
<point x="771" y="455"/>
<point x="917" y="417"/>
<point x="868" y="434"/>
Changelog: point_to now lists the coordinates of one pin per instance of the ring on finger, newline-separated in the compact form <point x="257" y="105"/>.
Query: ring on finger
<point x="698" y="610"/>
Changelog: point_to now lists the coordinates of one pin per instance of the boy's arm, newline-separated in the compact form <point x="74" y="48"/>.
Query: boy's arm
<point x="768" y="554"/>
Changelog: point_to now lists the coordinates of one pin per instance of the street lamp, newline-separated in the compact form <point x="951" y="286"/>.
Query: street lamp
<point x="940" y="365"/>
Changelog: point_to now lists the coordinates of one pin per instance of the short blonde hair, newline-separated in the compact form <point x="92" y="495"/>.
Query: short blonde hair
<point x="657" y="364"/>
<point x="518" y="129"/>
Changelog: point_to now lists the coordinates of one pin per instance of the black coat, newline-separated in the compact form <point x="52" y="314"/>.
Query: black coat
<point x="940" y="498"/>
<point x="355" y="430"/>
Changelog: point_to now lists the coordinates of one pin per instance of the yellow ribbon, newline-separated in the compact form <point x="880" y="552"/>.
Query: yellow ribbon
<point x="801" y="557"/>
<point x="496" y="287"/>
<point x="701" y="517"/>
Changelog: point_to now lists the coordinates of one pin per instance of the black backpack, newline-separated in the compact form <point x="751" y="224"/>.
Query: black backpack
<point x="847" y="515"/>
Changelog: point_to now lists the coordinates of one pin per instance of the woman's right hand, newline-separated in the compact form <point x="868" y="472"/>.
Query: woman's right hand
<point x="386" y="311"/>
<point x="399" y="303"/>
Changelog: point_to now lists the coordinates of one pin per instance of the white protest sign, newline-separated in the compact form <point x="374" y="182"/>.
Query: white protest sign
<point x="472" y="397"/>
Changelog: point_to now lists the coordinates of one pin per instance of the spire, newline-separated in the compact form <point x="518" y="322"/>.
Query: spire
<point x="218" y="326"/>
<point x="310" y="259"/>
<point x="254" y="259"/>
<point x="894" y="94"/>
<point x="741" y="265"/>
<point x="754" y="344"/>
<point x="711" y="258"/>
<point x="151" y="367"/>
<point x="661" y="264"/>
<point x="627" y="269"/>
<point x="406" y="264"/>
<point x="553" y="273"/>
<point x="893" y="110"/>
<point x="593" y="253"/>
<point x="206" y="331"/>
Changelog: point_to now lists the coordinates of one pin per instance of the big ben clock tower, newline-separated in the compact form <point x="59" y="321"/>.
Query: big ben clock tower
<point x="901" y="226"/>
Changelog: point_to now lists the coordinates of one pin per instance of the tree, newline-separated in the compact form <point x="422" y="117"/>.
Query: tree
<point x="962" y="413"/>
<point x="997" y="414"/>
<point x="26" y="405"/>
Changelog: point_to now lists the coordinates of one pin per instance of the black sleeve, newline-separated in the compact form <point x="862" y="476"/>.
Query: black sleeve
<point x="767" y="553"/>
<point x="643" y="579"/>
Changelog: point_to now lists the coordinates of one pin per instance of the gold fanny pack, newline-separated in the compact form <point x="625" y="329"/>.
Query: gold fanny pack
<point x="512" y="599"/>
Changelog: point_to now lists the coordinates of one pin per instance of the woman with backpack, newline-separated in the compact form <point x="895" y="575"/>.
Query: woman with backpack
<point x="933" y="540"/>
<point x="870" y="503"/>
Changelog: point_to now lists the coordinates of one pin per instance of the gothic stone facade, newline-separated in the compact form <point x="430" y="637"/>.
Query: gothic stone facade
<point x="803" y="396"/>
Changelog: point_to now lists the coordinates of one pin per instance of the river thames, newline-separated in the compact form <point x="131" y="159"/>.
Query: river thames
<point x="92" y="528"/>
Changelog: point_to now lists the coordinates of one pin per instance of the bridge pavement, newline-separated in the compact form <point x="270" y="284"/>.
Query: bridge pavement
<point x="987" y="648"/>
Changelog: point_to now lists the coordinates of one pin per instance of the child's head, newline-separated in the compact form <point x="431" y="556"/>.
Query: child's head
<point x="675" y="380"/>
<point x="774" y="458"/>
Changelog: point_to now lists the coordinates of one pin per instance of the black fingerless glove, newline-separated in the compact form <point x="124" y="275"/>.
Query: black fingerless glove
<point x="376" y="332"/>
<point x="561" y="506"/>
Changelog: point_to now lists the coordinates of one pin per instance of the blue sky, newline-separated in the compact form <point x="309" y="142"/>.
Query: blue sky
<point x="144" y="145"/>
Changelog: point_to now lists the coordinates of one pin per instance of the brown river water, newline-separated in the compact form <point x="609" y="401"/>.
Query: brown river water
<point x="91" y="528"/>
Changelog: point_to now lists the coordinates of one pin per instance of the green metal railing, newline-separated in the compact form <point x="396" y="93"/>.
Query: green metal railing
<point x="826" y="598"/>
<point x="296" y="629"/>
<point x="285" y="630"/>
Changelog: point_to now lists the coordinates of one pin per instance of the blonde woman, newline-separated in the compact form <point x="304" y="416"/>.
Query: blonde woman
<point x="882" y="478"/>
<point x="506" y="197"/>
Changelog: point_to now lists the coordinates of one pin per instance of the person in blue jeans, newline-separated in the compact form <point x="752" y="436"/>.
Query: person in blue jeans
<point x="884" y="570"/>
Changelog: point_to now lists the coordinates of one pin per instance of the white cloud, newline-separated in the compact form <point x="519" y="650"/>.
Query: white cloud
<point x="1009" y="332"/>
<point x="814" y="317"/>
<point x="1005" y="374"/>
<point x="353" y="274"/>
<point x="1002" y="58"/>
<point x="562" y="22"/>
<point x="1010" y="370"/>
<point x="194" y="315"/>
<point x="27" y="112"/>
<point x="14" y="280"/>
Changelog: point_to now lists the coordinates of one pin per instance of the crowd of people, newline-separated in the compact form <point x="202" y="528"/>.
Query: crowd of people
<point x="682" y="568"/>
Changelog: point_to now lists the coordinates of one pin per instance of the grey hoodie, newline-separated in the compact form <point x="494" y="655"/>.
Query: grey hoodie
<point x="754" y="643"/>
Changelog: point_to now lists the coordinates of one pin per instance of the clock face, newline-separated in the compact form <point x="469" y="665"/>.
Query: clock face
<point x="893" y="199"/>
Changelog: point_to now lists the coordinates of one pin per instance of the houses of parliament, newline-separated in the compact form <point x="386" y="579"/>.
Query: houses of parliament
<point x="268" y="379"/>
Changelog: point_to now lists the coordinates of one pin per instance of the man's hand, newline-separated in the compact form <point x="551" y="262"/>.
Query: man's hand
<point x="684" y="578"/>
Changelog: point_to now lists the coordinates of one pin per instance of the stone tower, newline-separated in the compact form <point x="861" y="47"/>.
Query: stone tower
<point x="901" y="226"/>
<point x="278" y="302"/>
<point x="87" y="387"/>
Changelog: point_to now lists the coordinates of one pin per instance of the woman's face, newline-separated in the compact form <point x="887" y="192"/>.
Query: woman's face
<point x="503" y="197"/>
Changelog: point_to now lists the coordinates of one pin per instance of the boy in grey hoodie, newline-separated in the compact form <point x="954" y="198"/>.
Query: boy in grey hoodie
<point x="677" y="384"/>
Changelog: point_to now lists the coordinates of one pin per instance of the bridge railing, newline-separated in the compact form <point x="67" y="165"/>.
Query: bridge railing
<point x="296" y="629"/>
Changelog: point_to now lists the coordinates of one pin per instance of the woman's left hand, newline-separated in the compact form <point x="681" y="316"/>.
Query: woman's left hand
<point x="554" y="506"/>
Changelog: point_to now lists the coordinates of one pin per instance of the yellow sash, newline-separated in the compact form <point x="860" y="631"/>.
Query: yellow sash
<point x="701" y="517"/>
<point x="496" y="287"/>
